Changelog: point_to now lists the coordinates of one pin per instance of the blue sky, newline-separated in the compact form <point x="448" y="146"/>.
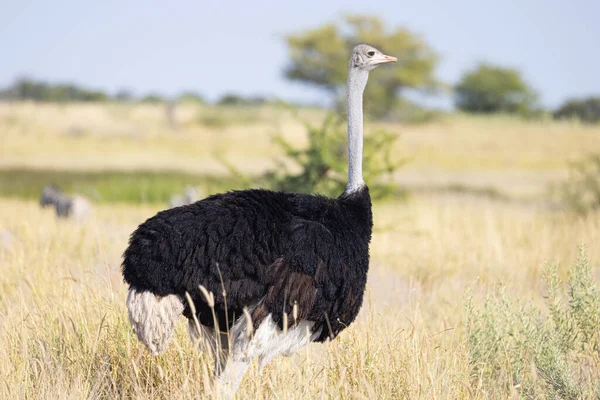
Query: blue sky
<point x="237" y="46"/>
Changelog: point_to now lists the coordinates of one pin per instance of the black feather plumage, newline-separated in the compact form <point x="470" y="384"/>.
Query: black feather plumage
<point x="271" y="248"/>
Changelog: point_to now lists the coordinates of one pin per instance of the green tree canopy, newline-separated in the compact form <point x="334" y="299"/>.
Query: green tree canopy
<point x="320" y="57"/>
<point x="492" y="89"/>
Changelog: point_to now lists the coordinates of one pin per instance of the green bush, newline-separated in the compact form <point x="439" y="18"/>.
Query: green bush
<point x="232" y="99"/>
<point x="581" y="191"/>
<point x="322" y="165"/>
<point x="191" y="97"/>
<point x="152" y="98"/>
<point x="515" y="348"/>
<point x="586" y="110"/>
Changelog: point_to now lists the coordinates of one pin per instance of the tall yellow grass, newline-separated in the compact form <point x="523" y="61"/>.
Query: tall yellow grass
<point x="64" y="330"/>
<point x="63" y="324"/>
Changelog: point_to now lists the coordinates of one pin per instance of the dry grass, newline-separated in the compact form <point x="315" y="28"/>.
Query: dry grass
<point x="63" y="326"/>
<point x="64" y="330"/>
<point x="92" y="136"/>
<point x="518" y="158"/>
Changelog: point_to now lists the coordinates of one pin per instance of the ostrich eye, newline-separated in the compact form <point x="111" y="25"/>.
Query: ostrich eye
<point x="371" y="53"/>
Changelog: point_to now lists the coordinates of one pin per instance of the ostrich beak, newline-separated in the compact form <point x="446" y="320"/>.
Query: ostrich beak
<point x="382" y="58"/>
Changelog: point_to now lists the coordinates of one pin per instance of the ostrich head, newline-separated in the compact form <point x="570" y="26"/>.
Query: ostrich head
<point x="367" y="57"/>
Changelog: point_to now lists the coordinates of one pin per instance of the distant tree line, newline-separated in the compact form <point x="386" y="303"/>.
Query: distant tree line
<point x="587" y="110"/>
<point x="37" y="90"/>
<point x="319" y="57"/>
<point x="29" y="89"/>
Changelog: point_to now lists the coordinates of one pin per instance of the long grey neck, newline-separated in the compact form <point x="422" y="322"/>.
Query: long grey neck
<point x="357" y="81"/>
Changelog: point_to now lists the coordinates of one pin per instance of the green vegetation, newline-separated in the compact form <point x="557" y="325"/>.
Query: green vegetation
<point x="149" y="187"/>
<point x="231" y="99"/>
<point x="124" y="96"/>
<point x="319" y="57"/>
<point x="586" y="110"/>
<point x="191" y="97"/>
<point x="517" y="348"/>
<point x="28" y="89"/>
<point x="492" y="89"/>
<point x="581" y="192"/>
<point x="152" y="98"/>
<point x="323" y="164"/>
<point x="37" y="90"/>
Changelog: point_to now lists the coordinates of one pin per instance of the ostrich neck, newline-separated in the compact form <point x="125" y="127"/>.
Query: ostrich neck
<point x="357" y="81"/>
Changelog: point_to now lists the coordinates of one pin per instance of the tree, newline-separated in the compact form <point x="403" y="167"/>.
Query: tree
<point x="152" y="98"/>
<point x="28" y="89"/>
<point x="191" y="97"/>
<point x="492" y="89"/>
<point x="124" y="96"/>
<point x="319" y="57"/>
<point x="587" y="110"/>
<point x="230" y="99"/>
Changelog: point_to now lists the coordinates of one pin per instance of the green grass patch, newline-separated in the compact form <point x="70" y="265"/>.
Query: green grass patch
<point x="109" y="186"/>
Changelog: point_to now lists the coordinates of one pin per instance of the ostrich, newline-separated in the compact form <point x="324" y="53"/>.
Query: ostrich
<point x="257" y="273"/>
<point x="76" y="207"/>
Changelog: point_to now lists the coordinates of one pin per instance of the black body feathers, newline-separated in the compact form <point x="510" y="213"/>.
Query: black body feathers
<point x="263" y="248"/>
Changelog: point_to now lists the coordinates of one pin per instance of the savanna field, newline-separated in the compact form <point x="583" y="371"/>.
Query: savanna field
<point x="482" y="284"/>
